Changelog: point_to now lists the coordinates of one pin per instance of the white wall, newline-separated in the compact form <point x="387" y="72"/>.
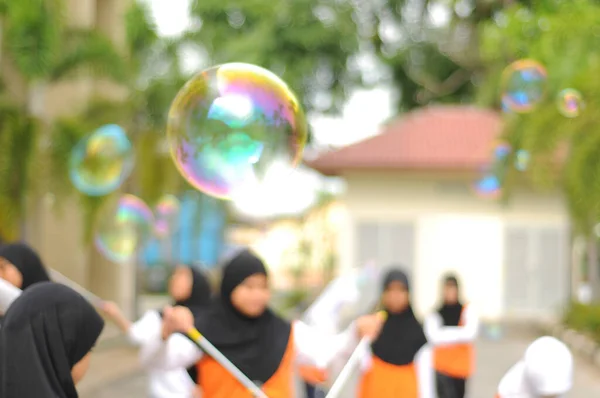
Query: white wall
<point x="454" y="229"/>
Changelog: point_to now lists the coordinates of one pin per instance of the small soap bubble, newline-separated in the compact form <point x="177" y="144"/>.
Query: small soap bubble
<point x="570" y="102"/>
<point x="102" y="161"/>
<point x="123" y="228"/>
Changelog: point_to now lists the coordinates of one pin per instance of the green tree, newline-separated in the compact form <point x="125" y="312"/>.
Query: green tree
<point x="431" y="47"/>
<point x="562" y="36"/>
<point x="309" y="44"/>
<point x="41" y="48"/>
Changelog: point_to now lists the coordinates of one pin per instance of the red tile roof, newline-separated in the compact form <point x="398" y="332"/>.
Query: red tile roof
<point x="437" y="138"/>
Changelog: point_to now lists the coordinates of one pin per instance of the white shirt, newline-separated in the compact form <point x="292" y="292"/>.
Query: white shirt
<point x="439" y="335"/>
<point x="171" y="383"/>
<point x="312" y="348"/>
<point x="514" y="384"/>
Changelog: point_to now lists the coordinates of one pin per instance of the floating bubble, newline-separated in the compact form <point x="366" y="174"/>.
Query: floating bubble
<point x="523" y="85"/>
<point x="502" y="151"/>
<point x="522" y="158"/>
<point x="229" y="123"/>
<point x="570" y="102"/>
<point x="488" y="187"/>
<point x="100" y="162"/>
<point x="166" y="215"/>
<point x="123" y="227"/>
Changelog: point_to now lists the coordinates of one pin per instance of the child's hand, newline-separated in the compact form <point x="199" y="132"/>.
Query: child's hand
<point x="369" y="326"/>
<point x="110" y="309"/>
<point x="177" y="319"/>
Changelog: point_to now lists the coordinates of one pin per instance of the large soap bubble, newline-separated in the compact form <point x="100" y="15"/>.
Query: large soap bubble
<point x="229" y="123"/>
<point x="124" y="226"/>
<point x="100" y="162"/>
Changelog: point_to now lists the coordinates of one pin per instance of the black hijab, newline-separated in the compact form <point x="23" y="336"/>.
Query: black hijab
<point x="201" y="293"/>
<point x="255" y="345"/>
<point x="450" y="312"/>
<point x="27" y="261"/>
<point x="199" y="299"/>
<point x="46" y="331"/>
<point x="402" y="335"/>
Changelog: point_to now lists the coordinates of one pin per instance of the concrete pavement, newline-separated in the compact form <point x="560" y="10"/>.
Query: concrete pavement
<point x="494" y="358"/>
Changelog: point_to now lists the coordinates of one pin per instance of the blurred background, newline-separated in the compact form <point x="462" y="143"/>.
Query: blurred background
<point x="415" y="154"/>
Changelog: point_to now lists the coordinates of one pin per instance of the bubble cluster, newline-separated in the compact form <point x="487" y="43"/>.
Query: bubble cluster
<point x="123" y="227"/>
<point x="100" y="162"/>
<point x="570" y="102"/>
<point x="166" y="215"/>
<point x="523" y="86"/>
<point x="229" y="123"/>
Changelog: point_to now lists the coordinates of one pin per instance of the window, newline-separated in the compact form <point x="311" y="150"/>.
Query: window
<point x="536" y="269"/>
<point x="386" y="243"/>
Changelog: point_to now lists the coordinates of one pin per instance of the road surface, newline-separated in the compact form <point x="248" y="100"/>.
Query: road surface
<point x="494" y="358"/>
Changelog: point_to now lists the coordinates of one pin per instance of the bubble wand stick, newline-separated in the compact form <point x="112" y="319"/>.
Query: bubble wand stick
<point x="213" y="352"/>
<point x="91" y="297"/>
<point x="339" y="383"/>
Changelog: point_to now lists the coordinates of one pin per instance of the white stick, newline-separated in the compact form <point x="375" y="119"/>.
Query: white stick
<point x="339" y="383"/>
<point x="91" y="297"/>
<point x="212" y="351"/>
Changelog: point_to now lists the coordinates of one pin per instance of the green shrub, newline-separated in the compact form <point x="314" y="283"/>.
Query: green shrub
<point x="584" y="318"/>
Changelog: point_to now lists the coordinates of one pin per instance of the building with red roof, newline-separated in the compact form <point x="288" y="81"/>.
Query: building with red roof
<point x="410" y="201"/>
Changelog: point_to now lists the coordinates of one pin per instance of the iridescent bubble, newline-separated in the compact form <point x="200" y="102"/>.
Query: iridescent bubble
<point x="100" y="162"/>
<point x="229" y="123"/>
<point x="523" y="85"/>
<point x="166" y="215"/>
<point x="123" y="227"/>
<point x="522" y="158"/>
<point x="488" y="187"/>
<point x="502" y="151"/>
<point x="570" y="102"/>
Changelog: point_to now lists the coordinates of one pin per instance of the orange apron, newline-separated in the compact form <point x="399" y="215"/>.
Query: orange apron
<point x="384" y="380"/>
<point x="216" y="382"/>
<point x="456" y="360"/>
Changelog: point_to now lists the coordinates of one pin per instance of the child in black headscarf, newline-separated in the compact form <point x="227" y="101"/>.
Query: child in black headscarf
<point x="452" y="329"/>
<point x="399" y="364"/>
<point x="189" y="288"/>
<point x="45" y="342"/>
<point x="21" y="266"/>
<point x="240" y="325"/>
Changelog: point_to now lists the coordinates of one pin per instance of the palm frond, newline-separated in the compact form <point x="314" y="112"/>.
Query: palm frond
<point x="91" y="50"/>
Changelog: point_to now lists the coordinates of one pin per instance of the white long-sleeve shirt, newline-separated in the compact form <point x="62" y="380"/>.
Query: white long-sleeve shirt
<point x="164" y="383"/>
<point x="312" y="347"/>
<point x="439" y="335"/>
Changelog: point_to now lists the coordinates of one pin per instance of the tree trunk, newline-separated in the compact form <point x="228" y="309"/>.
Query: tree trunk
<point x="593" y="271"/>
<point x="36" y="97"/>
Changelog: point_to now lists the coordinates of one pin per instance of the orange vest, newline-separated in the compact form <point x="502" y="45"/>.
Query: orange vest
<point x="216" y="382"/>
<point x="456" y="360"/>
<point x="384" y="380"/>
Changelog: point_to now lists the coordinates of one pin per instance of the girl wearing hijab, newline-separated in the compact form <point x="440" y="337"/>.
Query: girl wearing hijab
<point x="399" y="364"/>
<point x="45" y="342"/>
<point x="21" y="266"/>
<point x="189" y="288"/>
<point x="546" y="371"/>
<point x="452" y="330"/>
<point x="240" y="325"/>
